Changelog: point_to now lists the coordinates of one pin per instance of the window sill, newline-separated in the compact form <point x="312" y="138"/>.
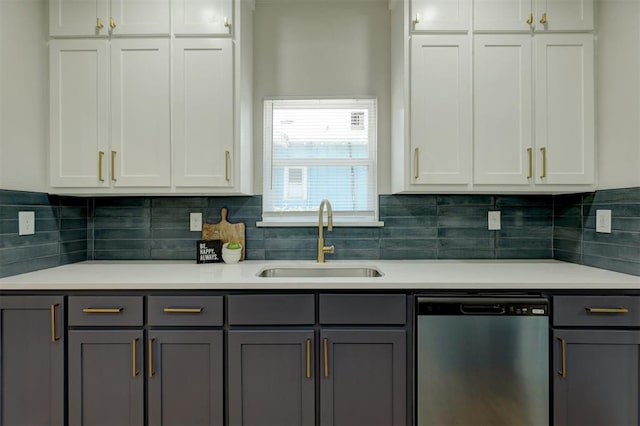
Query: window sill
<point x="308" y="224"/>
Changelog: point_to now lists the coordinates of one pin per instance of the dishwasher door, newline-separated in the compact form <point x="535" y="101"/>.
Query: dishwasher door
<point x="482" y="361"/>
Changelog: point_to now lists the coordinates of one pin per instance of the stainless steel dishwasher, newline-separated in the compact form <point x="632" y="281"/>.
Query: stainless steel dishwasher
<point x="482" y="361"/>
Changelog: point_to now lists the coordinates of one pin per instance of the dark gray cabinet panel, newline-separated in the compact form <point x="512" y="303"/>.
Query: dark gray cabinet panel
<point x="596" y="378"/>
<point x="110" y="311"/>
<point x="185" y="378"/>
<point x="596" y="311"/>
<point x="271" y="378"/>
<point x="106" y="377"/>
<point x="271" y="309"/>
<point x="31" y="360"/>
<point x="197" y="311"/>
<point x="363" y="377"/>
<point x="388" y="309"/>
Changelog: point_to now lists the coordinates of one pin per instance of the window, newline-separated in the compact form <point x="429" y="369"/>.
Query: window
<point x="316" y="149"/>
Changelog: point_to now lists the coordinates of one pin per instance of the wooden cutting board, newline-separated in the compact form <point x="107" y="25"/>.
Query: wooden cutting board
<point x="224" y="231"/>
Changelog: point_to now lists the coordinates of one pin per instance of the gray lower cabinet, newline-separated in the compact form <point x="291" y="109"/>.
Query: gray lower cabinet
<point x="106" y="377"/>
<point x="31" y="360"/>
<point x="185" y="377"/>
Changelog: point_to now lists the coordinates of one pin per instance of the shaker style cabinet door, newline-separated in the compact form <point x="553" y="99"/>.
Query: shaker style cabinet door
<point x="503" y="15"/>
<point x="440" y="15"/>
<point x="203" y="17"/>
<point x="566" y="15"/>
<point x="140" y="17"/>
<point x="203" y="112"/>
<point x="32" y="355"/>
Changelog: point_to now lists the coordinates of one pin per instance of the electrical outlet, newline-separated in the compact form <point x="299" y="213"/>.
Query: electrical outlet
<point x="195" y="222"/>
<point x="603" y="221"/>
<point x="26" y="223"/>
<point x="494" y="220"/>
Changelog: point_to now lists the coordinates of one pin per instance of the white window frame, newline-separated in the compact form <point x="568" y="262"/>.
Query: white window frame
<point x="310" y="218"/>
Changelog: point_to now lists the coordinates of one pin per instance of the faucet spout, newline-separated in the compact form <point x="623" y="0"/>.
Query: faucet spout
<point x="322" y="249"/>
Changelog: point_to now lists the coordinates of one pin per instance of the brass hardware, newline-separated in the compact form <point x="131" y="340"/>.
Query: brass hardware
<point x="100" y="158"/>
<point x="134" y="358"/>
<point x="416" y="163"/>
<point x="325" y="345"/>
<point x="563" y="361"/>
<point x="113" y="165"/>
<point x="607" y="310"/>
<point x="543" y="150"/>
<point x="227" y="165"/>
<point x="54" y="337"/>
<point x="227" y="24"/>
<point x="182" y="310"/>
<point x="322" y="249"/>
<point x="417" y="20"/>
<point x="112" y="23"/>
<point x="530" y="19"/>
<point x="308" y="358"/>
<point x="151" y="372"/>
<point x="530" y="153"/>
<point x="99" y="25"/>
<point x="543" y="20"/>
<point x="102" y="310"/>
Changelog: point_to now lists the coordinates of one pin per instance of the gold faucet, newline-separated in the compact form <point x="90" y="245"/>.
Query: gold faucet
<point x="321" y="247"/>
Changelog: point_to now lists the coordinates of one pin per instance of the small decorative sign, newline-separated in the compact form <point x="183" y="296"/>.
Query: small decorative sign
<point x="208" y="251"/>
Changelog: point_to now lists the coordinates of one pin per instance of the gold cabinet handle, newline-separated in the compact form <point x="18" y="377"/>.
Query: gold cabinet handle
<point x="54" y="336"/>
<point x="543" y="150"/>
<point x="417" y="20"/>
<point x="227" y="165"/>
<point x="227" y="24"/>
<point x="543" y="19"/>
<point x="112" y="23"/>
<point x="563" y="360"/>
<point x="606" y="310"/>
<point x="100" y="160"/>
<point x="183" y="310"/>
<point x="530" y="154"/>
<point x="99" y="25"/>
<point x="530" y="19"/>
<point x="325" y="347"/>
<point x="102" y="310"/>
<point x="113" y="165"/>
<point x="151" y="372"/>
<point x="416" y="163"/>
<point x="134" y="357"/>
<point x="308" y="358"/>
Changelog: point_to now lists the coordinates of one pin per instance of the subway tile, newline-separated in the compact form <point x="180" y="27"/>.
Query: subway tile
<point x="11" y="240"/>
<point x="408" y="210"/>
<point x="407" y="254"/>
<point x="20" y="254"/>
<point x="524" y="253"/>
<point x="122" y="254"/>
<point x="173" y="233"/>
<point x="9" y="226"/>
<point x="617" y="210"/>
<point x="464" y="200"/>
<point x="408" y="244"/>
<point x="73" y="235"/>
<point x="470" y="243"/>
<point x="567" y="256"/>
<point x="121" y="212"/>
<point x="273" y="254"/>
<point x="525" y="243"/>
<point x="352" y="244"/>
<point x="410" y="222"/>
<point x="567" y="233"/>
<point x="526" y="232"/>
<point x="291" y="244"/>
<point x="165" y="254"/>
<point x="114" y="202"/>
<point x="73" y="213"/>
<point x="612" y="251"/>
<point x="466" y="253"/>
<point x="623" y="195"/>
<point x="178" y="245"/>
<point x="572" y="210"/>
<point x="479" y="221"/>
<point x="573" y="246"/>
<point x="29" y="266"/>
<point x="73" y="224"/>
<point x="615" y="237"/>
<point x="525" y="221"/>
<point x="360" y="233"/>
<point x="465" y="233"/>
<point x="417" y="232"/>
<point x="233" y="201"/>
<point x="612" y="264"/>
<point x="124" y="245"/>
<point x="523" y="200"/>
<point x="40" y="212"/>
<point x="23" y="198"/>
<point x="122" y="234"/>
<point x="73" y="257"/>
<point x="527" y="211"/>
<point x="290" y="233"/>
<point x="254" y="254"/>
<point x="463" y="210"/>
<point x="121" y="222"/>
<point x="179" y="202"/>
<point x="355" y="254"/>
<point x="568" y="221"/>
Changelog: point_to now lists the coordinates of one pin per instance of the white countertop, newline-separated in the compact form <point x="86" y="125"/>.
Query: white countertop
<point x="397" y="275"/>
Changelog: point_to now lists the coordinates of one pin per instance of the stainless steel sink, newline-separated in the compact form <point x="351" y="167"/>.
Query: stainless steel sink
<point x="320" y="272"/>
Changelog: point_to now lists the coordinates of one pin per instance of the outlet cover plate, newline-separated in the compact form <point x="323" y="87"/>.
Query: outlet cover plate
<point x="195" y="222"/>
<point x="603" y="221"/>
<point x="26" y="223"/>
<point x="494" y="220"/>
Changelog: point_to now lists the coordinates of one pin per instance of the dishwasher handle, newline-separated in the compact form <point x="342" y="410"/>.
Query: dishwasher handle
<point x="480" y="309"/>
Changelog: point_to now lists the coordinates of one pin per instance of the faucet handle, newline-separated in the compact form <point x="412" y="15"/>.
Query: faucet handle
<point x="330" y="249"/>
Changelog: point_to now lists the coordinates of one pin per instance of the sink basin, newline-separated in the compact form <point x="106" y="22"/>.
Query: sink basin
<point x="320" y="272"/>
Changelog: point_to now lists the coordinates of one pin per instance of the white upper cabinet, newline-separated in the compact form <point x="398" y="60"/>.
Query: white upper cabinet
<point x="440" y="129"/>
<point x="203" y="112"/>
<point x="87" y="18"/>
<point x="202" y="17"/>
<point x="538" y="15"/>
<point x="440" y="15"/>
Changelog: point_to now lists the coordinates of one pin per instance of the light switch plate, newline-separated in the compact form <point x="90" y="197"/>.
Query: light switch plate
<point x="603" y="221"/>
<point x="26" y="223"/>
<point x="494" y="220"/>
<point x="195" y="222"/>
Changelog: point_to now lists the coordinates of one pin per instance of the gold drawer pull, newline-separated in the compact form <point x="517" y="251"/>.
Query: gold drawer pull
<point x="151" y="372"/>
<point x="308" y="358"/>
<point x="325" y="347"/>
<point x="134" y="358"/>
<point x="607" y="310"/>
<point x="183" y="310"/>
<point x="54" y="335"/>
<point x="563" y="361"/>
<point x="102" y="310"/>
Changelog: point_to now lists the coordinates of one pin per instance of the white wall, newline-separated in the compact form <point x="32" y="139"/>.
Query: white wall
<point x="323" y="48"/>
<point x="24" y="94"/>
<point x="618" y="93"/>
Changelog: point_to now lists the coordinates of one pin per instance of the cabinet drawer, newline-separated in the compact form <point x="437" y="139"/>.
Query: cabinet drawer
<point x="271" y="309"/>
<point x="109" y="311"/>
<point x="602" y="311"/>
<point x="363" y="309"/>
<point x="185" y="310"/>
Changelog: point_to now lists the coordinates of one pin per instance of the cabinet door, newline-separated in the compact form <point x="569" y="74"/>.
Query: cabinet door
<point x="503" y="15"/>
<point x="203" y="111"/>
<point x="32" y="356"/>
<point x="136" y="17"/>
<point x="566" y="15"/>
<point x="185" y="378"/>
<point x="440" y="15"/>
<point x="140" y="104"/>
<point x="271" y="378"/>
<point x="596" y="377"/>
<point x="363" y="378"/>
<point x="202" y="17"/>
<point x="503" y="105"/>
<point x="106" y="377"/>
<point x="440" y="110"/>
<point x="79" y="77"/>
<point x="78" y="17"/>
<point x="565" y="134"/>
